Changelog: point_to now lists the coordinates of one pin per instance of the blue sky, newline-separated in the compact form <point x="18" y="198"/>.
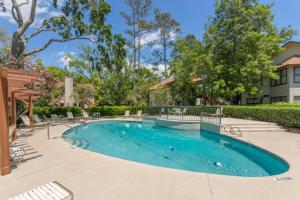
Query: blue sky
<point x="191" y="14"/>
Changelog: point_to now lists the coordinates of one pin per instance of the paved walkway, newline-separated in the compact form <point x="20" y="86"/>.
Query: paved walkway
<point x="94" y="176"/>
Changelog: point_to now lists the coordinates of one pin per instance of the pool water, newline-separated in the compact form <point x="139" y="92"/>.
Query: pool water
<point x="179" y="149"/>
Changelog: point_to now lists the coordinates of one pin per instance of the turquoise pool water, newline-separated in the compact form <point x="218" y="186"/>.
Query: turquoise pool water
<point x="180" y="149"/>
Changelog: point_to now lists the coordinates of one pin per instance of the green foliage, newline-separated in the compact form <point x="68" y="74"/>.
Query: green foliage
<point x="285" y="115"/>
<point x="242" y="40"/>
<point x="60" y="111"/>
<point x="189" y="57"/>
<point x="4" y="47"/>
<point x="113" y="110"/>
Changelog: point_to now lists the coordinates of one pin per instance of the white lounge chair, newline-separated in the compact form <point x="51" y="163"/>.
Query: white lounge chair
<point x="10" y="134"/>
<point x="54" y="117"/>
<point x="85" y="115"/>
<point x="96" y="114"/>
<point x="127" y="113"/>
<point x="70" y="116"/>
<point x="49" y="191"/>
<point x="26" y="121"/>
<point x="16" y="154"/>
<point x="139" y="114"/>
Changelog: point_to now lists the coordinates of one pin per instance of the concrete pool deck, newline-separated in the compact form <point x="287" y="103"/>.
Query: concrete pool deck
<point x="95" y="176"/>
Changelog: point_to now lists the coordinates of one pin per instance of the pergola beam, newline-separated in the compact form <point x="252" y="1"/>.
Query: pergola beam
<point x="4" y="137"/>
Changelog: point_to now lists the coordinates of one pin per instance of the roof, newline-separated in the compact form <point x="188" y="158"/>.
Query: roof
<point x="171" y="80"/>
<point x="291" y="61"/>
<point x="289" y="43"/>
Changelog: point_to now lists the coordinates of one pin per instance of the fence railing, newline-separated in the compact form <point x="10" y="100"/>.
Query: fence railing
<point x="212" y="114"/>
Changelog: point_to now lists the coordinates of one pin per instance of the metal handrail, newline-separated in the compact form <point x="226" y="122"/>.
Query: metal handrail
<point x="233" y="130"/>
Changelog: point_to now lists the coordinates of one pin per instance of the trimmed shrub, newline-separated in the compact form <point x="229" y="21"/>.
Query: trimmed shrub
<point x="60" y="111"/>
<point x="287" y="115"/>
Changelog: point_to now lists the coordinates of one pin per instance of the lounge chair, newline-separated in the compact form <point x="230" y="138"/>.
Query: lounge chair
<point x="70" y="116"/>
<point x="49" y="191"/>
<point x="10" y="134"/>
<point x="139" y="114"/>
<point x="16" y="154"/>
<point x="96" y="114"/>
<point x="85" y="115"/>
<point x="26" y="121"/>
<point x="37" y="119"/>
<point x="126" y="115"/>
<point x="54" y="117"/>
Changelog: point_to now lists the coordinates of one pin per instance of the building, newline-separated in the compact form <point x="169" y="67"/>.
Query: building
<point x="287" y="87"/>
<point x="157" y="100"/>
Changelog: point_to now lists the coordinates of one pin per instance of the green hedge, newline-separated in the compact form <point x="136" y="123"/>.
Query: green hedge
<point x="60" y="111"/>
<point x="287" y="115"/>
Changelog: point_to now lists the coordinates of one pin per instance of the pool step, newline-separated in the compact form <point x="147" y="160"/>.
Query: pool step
<point x="258" y="127"/>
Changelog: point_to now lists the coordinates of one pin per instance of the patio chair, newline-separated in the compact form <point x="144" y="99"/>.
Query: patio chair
<point x="26" y="121"/>
<point x="37" y="119"/>
<point x="12" y="128"/>
<point x="139" y="114"/>
<point x="54" y="117"/>
<point x="85" y="115"/>
<point x="70" y="116"/>
<point x="16" y="154"/>
<point x="49" y="191"/>
<point x="127" y="113"/>
<point x="96" y="114"/>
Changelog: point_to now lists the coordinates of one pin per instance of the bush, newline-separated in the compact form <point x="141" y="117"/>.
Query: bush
<point x="287" y="115"/>
<point x="60" y="111"/>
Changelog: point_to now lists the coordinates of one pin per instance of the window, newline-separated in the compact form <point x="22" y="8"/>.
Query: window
<point x="297" y="99"/>
<point x="251" y="101"/>
<point x="297" y="74"/>
<point x="278" y="99"/>
<point x="282" y="78"/>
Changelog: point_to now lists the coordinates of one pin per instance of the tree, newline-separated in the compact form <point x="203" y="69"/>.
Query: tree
<point x="78" y="20"/>
<point x="4" y="47"/>
<point x="242" y="39"/>
<point x="138" y="25"/>
<point x="189" y="61"/>
<point x="168" y="28"/>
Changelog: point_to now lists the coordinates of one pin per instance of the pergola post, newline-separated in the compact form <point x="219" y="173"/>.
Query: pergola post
<point x="4" y="138"/>
<point x="14" y="113"/>
<point x="30" y="111"/>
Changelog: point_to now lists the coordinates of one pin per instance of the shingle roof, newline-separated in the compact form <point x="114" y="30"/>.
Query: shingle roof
<point x="294" y="60"/>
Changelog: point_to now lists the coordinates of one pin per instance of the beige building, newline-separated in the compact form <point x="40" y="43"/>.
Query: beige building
<point x="287" y="87"/>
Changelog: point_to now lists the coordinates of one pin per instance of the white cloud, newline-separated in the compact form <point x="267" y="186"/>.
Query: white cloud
<point x="64" y="58"/>
<point x="154" y="36"/>
<point x="160" y="68"/>
<point x="44" y="10"/>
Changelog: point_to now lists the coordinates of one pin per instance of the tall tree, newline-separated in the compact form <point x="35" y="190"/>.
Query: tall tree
<point x="138" y="26"/>
<point x="78" y="20"/>
<point x="168" y="28"/>
<point x="189" y="61"/>
<point x="242" y="39"/>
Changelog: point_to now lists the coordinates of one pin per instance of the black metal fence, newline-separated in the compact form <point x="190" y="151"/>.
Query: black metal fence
<point x="212" y="114"/>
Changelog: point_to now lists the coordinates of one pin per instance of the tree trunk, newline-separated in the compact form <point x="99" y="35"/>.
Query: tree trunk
<point x="165" y="57"/>
<point x="18" y="45"/>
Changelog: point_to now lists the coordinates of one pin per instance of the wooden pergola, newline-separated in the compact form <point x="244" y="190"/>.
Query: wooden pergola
<point x="13" y="85"/>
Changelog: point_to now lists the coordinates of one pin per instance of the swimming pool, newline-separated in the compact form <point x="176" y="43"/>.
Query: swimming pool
<point x="191" y="150"/>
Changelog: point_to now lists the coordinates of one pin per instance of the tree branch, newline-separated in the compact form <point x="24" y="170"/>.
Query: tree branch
<point x="38" y="31"/>
<point x="47" y="44"/>
<point x="25" y="26"/>
<point x="19" y="16"/>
